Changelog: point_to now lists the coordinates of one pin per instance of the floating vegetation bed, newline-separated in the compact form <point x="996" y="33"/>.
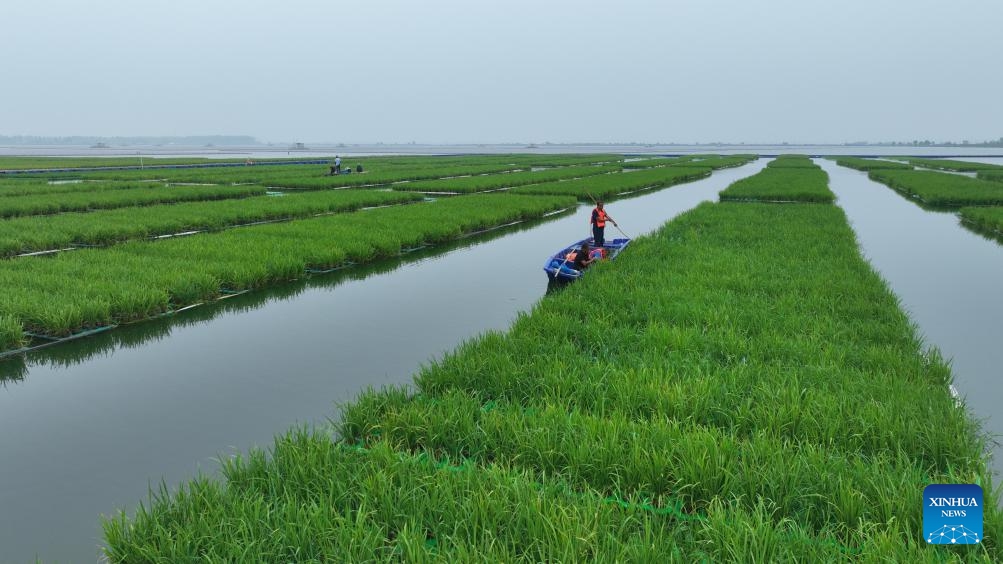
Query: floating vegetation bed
<point x="382" y="178"/>
<point x="871" y="164"/>
<point x="89" y="288"/>
<point x="743" y="387"/>
<point x="992" y="175"/>
<point x="610" y="185"/>
<point x="952" y="165"/>
<point x="77" y="200"/>
<point x="37" y="233"/>
<point x="714" y="162"/>
<point x="941" y="189"/>
<point x="791" y="161"/>
<point x="25" y="163"/>
<point x="985" y="220"/>
<point x="483" y="183"/>
<point x="655" y="162"/>
<point x="795" y="179"/>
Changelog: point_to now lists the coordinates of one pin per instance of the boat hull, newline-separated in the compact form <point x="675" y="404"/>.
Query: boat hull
<point x="558" y="268"/>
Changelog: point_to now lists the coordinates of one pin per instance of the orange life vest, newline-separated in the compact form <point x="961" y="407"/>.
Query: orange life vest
<point x="570" y="257"/>
<point x="600" y="217"/>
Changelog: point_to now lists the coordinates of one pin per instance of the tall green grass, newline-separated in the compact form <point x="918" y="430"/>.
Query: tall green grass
<point x="941" y="189"/>
<point x="23" y="163"/>
<point x="988" y="220"/>
<point x="256" y="174"/>
<point x="741" y="386"/>
<point x="42" y="204"/>
<point x="313" y="500"/>
<point x="791" y="161"/>
<point x="796" y="179"/>
<point x="610" y="185"/>
<point x="714" y="162"/>
<point x="38" y="233"/>
<point x="94" y="287"/>
<point x="481" y="183"/>
<point x="32" y="186"/>
<point x="11" y="334"/>
<point x="385" y="177"/>
<point x="871" y="164"/>
<point x="953" y="165"/>
<point x="655" y="162"/>
<point x="992" y="175"/>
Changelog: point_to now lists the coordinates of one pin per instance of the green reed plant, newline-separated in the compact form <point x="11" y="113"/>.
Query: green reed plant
<point x="715" y="162"/>
<point x="953" y="165"/>
<point x="992" y="175"/>
<point x="743" y="387"/>
<point x="94" y="287"/>
<point x="37" y="233"/>
<point x="481" y="183"/>
<point x="610" y="185"/>
<point x="41" y="187"/>
<point x="871" y="164"/>
<point x="312" y="499"/>
<point x="987" y="219"/>
<point x="42" y="204"/>
<point x="23" y="163"/>
<point x="941" y="189"/>
<point x="793" y="181"/>
<point x="655" y="162"/>
<point x="210" y="175"/>
<point x="382" y="178"/>
<point x="722" y="363"/>
<point x="11" y="334"/>
<point x="791" y="161"/>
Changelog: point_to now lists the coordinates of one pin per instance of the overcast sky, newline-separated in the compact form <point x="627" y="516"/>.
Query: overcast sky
<point x="516" y="71"/>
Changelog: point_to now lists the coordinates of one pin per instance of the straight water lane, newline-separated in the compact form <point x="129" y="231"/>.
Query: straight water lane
<point x="86" y="428"/>
<point x="947" y="279"/>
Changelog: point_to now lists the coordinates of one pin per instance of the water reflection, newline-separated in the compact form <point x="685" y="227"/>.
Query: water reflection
<point x="984" y="232"/>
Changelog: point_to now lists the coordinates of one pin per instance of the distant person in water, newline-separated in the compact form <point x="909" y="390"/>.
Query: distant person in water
<point x="599" y="219"/>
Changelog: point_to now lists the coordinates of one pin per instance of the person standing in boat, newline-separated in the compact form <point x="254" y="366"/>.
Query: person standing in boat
<point x="599" y="219"/>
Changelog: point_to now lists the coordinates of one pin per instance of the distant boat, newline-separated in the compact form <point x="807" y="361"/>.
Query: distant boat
<point x="560" y="267"/>
<point x="100" y="146"/>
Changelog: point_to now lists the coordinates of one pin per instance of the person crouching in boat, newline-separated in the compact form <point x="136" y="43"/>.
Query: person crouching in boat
<point x="583" y="258"/>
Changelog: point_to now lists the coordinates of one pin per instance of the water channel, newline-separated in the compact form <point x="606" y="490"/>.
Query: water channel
<point x="89" y="426"/>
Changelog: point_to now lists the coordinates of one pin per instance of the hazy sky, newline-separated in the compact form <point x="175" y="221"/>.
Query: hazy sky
<point x="515" y="71"/>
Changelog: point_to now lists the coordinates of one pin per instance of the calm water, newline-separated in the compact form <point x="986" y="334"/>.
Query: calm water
<point x="948" y="279"/>
<point x="89" y="426"/>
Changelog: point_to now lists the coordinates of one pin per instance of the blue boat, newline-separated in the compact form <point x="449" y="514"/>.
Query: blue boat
<point x="561" y="267"/>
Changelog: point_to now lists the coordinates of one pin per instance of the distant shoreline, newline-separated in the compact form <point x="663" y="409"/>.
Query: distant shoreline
<point x="359" y="150"/>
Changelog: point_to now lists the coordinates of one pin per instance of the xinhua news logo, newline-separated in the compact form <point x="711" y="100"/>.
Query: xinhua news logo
<point x="952" y="514"/>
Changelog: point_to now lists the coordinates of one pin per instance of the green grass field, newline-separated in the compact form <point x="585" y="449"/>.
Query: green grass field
<point x="697" y="410"/>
